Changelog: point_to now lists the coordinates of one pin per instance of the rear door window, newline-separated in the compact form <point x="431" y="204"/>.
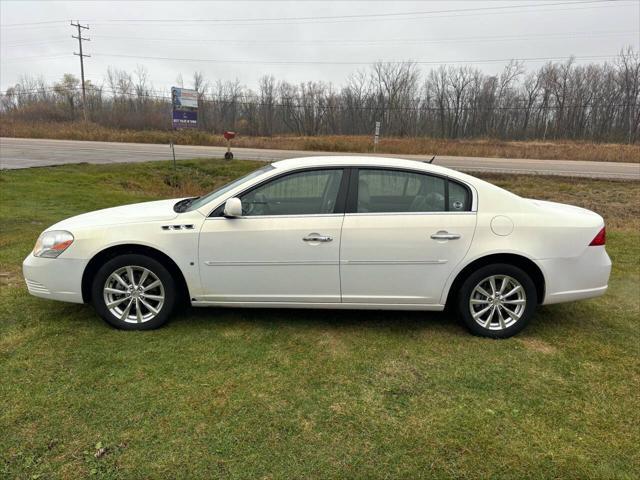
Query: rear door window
<point x="381" y="191"/>
<point x="387" y="190"/>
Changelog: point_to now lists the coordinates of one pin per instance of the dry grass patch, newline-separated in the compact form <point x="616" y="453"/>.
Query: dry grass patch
<point x="537" y="345"/>
<point x="481" y="147"/>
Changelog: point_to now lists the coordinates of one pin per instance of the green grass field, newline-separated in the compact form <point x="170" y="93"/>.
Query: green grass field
<point x="310" y="394"/>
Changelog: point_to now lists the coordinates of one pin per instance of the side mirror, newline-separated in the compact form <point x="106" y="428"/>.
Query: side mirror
<point x="233" y="208"/>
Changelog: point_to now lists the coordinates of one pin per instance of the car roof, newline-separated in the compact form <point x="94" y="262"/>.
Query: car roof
<point x="364" y="161"/>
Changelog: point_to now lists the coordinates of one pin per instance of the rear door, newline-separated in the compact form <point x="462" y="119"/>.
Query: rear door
<point x="403" y="234"/>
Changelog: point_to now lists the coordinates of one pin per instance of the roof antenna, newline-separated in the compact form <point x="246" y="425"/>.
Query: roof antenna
<point x="431" y="161"/>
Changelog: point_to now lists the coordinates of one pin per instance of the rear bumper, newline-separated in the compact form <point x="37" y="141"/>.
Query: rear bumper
<point x="572" y="295"/>
<point x="54" y="278"/>
<point x="576" y="278"/>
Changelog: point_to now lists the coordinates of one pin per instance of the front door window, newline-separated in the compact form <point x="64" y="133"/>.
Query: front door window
<point x="312" y="192"/>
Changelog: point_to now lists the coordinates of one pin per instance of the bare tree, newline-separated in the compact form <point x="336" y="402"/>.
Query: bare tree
<point x="564" y="100"/>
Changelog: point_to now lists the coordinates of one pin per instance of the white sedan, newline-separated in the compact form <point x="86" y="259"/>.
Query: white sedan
<point x="329" y="232"/>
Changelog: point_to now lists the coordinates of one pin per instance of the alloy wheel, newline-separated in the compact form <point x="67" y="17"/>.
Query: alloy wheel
<point x="134" y="294"/>
<point x="497" y="302"/>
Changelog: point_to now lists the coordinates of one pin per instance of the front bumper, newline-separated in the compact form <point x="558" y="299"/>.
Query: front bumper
<point x="54" y="278"/>
<point x="576" y="278"/>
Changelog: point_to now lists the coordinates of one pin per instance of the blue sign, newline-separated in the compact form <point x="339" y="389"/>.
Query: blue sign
<point x="184" y="108"/>
<point x="185" y="118"/>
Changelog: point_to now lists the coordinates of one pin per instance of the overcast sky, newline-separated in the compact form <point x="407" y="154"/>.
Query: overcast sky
<point x="313" y="40"/>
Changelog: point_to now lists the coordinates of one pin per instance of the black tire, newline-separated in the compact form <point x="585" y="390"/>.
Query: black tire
<point x="228" y="156"/>
<point x="156" y="268"/>
<point x="467" y="289"/>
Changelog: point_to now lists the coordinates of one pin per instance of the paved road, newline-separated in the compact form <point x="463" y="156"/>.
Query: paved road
<point x="24" y="153"/>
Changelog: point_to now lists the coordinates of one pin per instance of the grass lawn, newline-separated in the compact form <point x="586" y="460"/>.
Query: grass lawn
<point x="310" y="394"/>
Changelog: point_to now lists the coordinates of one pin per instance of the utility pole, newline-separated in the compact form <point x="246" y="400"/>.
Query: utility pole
<point x="81" y="55"/>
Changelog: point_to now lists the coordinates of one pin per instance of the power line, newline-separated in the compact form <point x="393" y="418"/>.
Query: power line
<point x="413" y="17"/>
<point x="330" y="18"/>
<point x="320" y="62"/>
<point x="328" y="62"/>
<point x="333" y="43"/>
<point x="374" y="42"/>
<point x="359" y="16"/>
<point x="571" y="6"/>
<point x="21" y="59"/>
<point x="25" y="24"/>
<point x="39" y="42"/>
<point x="57" y="27"/>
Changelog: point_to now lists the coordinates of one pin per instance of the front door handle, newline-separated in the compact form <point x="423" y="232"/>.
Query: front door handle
<point x="316" y="237"/>
<point x="444" y="235"/>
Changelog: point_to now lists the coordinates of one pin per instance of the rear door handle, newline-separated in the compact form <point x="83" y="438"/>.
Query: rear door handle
<point x="444" y="235"/>
<point x="315" y="237"/>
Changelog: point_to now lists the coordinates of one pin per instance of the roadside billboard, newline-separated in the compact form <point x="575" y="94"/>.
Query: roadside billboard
<point x="184" y="111"/>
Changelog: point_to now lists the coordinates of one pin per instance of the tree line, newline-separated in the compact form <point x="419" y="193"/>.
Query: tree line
<point x="597" y="101"/>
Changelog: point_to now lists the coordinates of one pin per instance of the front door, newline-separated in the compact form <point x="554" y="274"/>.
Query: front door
<point x="405" y="234"/>
<point x="285" y="247"/>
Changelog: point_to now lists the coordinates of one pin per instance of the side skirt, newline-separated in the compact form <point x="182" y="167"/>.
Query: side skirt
<point x="334" y="306"/>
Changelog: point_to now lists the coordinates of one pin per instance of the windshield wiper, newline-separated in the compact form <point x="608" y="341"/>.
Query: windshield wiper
<point x="182" y="205"/>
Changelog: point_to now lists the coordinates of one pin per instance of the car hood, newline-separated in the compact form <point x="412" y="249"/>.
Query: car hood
<point x="161" y="210"/>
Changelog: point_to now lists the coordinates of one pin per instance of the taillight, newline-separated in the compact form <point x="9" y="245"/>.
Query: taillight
<point x="600" y="239"/>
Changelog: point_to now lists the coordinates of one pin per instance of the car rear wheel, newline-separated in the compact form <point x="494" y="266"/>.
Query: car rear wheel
<point x="497" y="301"/>
<point x="134" y="292"/>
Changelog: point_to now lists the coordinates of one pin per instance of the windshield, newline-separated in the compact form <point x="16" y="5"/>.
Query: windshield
<point x="200" y="201"/>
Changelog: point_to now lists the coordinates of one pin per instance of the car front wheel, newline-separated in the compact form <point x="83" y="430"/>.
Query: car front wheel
<point x="497" y="301"/>
<point x="134" y="292"/>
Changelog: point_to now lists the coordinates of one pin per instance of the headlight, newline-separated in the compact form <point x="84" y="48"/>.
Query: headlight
<point x="51" y="244"/>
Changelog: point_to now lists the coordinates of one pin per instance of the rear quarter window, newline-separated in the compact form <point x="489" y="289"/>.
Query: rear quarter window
<point x="459" y="198"/>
